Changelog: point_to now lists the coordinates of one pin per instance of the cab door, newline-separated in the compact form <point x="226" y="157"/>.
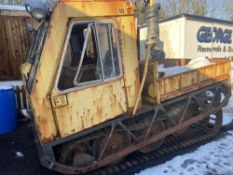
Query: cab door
<point x="89" y="89"/>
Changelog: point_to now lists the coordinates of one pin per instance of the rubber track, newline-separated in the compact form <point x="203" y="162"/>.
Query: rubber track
<point x="173" y="145"/>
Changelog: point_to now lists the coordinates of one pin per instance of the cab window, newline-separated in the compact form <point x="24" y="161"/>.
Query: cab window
<point x="91" y="55"/>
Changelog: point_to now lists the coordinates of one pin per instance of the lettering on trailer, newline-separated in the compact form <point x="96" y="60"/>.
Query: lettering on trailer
<point x="214" y="35"/>
<point x="219" y="35"/>
<point x="223" y="49"/>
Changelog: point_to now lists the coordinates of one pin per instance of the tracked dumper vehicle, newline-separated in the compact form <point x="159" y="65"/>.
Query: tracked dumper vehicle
<point x="94" y="102"/>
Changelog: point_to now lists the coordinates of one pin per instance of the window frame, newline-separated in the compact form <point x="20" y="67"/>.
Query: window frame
<point x="35" y="52"/>
<point x="94" y="82"/>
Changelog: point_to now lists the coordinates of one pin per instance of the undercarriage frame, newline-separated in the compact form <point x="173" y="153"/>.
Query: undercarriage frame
<point x="220" y="96"/>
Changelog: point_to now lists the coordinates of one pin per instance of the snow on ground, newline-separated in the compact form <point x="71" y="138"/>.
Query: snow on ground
<point x="172" y="70"/>
<point x="228" y="111"/>
<point x="214" y="158"/>
<point x="12" y="7"/>
<point x="11" y="83"/>
<point x="193" y="64"/>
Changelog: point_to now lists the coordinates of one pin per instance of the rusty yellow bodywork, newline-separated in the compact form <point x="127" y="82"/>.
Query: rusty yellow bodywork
<point x="59" y="114"/>
<point x="159" y="89"/>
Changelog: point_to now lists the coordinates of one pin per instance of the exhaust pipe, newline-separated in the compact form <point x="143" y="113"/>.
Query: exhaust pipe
<point x="27" y="113"/>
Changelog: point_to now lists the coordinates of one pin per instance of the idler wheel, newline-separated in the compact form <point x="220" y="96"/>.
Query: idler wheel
<point x="117" y="142"/>
<point x="156" y="128"/>
<point x="76" y="154"/>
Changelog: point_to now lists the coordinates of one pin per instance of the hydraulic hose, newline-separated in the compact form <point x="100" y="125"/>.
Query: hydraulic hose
<point x="147" y="59"/>
<point x="152" y="40"/>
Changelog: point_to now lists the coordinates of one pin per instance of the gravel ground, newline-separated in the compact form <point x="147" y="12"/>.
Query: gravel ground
<point x="18" y="154"/>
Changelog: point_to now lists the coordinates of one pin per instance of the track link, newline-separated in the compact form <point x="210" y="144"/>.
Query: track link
<point x="196" y="135"/>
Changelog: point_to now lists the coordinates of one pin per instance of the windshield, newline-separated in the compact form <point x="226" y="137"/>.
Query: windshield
<point x="35" y="51"/>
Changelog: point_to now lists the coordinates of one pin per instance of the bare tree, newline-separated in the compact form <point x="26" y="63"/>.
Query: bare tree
<point x="198" y="7"/>
<point x="176" y="7"/>
<point x="227" y="9"/>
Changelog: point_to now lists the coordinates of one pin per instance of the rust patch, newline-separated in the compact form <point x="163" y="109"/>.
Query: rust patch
<point x="136" y="82"/>
<point x="130" y="8"/>
<point x="99" y="111"/>
<point x="41" y="127"/>
<point x="113" y="100"/>
<point x="82" y="122"/>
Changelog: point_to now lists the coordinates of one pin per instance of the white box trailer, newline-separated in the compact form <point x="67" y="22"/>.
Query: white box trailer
<point x="189" y="36"/>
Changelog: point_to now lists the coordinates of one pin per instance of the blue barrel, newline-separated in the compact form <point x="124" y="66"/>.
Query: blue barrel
<point x="8" y="114"/>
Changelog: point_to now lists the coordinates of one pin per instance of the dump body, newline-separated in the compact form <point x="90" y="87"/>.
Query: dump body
<point x="160" y="88"/>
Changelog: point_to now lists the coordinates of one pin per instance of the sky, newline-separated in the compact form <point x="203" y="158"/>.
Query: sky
<point x="214" y="4"/>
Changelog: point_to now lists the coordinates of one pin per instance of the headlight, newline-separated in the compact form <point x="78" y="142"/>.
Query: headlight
<point x="39" y="14"/>
<point x="37" y="9"/>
